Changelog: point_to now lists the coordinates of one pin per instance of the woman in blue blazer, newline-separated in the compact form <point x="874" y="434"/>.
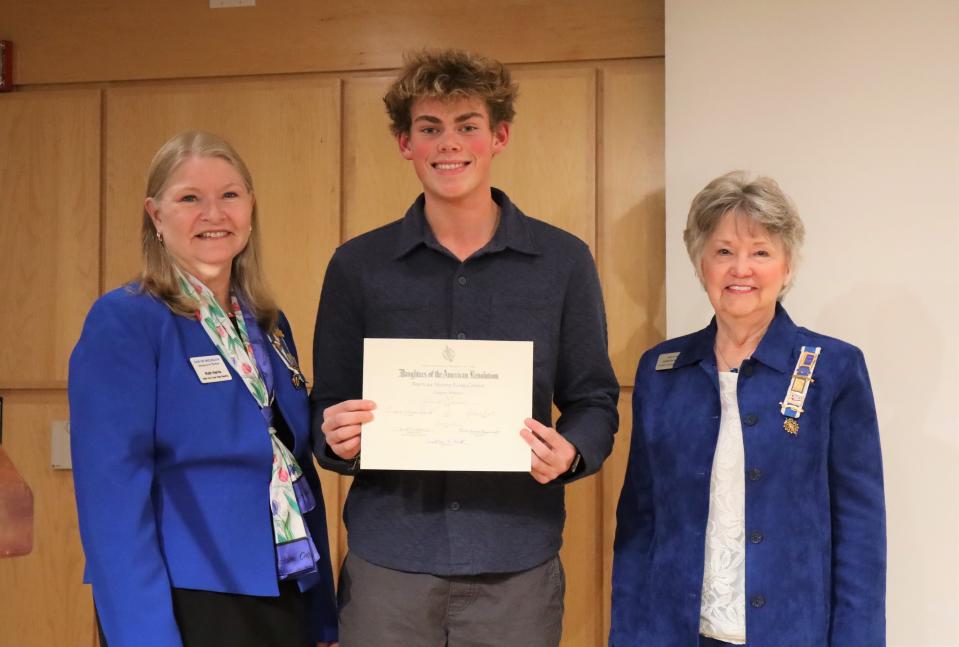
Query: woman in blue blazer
<point x="752" y="511"/>
<point x="200" y="510"/>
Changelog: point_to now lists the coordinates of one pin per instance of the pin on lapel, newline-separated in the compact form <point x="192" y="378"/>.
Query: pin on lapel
<point x="297" y="377"/>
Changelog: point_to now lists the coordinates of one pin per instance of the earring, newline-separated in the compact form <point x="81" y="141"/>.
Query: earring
<point x="159" y="236"/>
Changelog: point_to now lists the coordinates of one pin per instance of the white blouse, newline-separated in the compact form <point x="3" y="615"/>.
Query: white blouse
<point x="723" y="612"/>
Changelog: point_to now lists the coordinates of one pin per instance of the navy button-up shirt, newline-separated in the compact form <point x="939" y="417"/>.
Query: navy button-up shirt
<point x="532" y="281"/>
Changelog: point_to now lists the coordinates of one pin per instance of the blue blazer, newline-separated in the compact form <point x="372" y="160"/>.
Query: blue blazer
<point x="815" y="519"/>
<point x="172" y="475"/>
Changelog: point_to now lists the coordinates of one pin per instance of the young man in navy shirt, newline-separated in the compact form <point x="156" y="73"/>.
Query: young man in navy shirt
<point x="461" y="558"/>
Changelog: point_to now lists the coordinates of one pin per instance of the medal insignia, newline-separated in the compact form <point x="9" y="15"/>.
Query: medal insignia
<point x="792" y="404"/>
<point x="297" y="377"/>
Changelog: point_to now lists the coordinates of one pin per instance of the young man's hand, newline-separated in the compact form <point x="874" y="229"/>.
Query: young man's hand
<point x="552" y="454"/>
<point x="342" y="424"/>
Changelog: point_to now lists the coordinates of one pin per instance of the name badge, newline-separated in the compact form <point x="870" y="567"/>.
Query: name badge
<point x="211" y="368"/>
<point x="666" y="361"/>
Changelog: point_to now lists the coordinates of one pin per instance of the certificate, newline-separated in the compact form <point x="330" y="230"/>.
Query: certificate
<point x="447" y="404"/>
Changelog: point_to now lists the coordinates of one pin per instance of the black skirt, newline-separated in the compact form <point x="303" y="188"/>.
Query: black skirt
<point x="211" y="619"/>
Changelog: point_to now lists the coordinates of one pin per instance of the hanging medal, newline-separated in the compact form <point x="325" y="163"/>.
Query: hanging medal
<point x="279" y="344"/>
<point x="792" y="404"/>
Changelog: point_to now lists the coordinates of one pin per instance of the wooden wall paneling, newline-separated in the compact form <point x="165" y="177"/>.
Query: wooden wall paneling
<point x="378" y="184"/>
<point x="342" y="545"/>
<point x="612" y="483"/>
<point x="59" y="41"/>
<point x="632" y="210"/>
<point x="49" y="230"/>
<point x="288" y="132"/>
<point x="549" y="166"/>
<point x="581" y="556"/>
<point x="44" y="600"/>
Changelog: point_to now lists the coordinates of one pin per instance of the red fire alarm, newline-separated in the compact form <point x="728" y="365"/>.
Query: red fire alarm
<point x="6" y="66"/>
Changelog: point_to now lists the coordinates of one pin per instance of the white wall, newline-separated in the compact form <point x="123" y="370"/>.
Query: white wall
<point x="853" y="106"/>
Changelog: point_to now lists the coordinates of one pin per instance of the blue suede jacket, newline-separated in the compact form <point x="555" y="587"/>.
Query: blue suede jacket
<point x="815" y="517"/>
<point x="172" y="475"/>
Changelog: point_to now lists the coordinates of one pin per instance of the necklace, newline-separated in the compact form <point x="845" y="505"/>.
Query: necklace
<point x="726" y="361"/>
<point x="749" y="354"/>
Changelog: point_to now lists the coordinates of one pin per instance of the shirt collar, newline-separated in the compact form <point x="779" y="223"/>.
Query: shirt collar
<point x="775" y="350"/>
<point x="513" y="230"/>
<point x="778" y="345"/>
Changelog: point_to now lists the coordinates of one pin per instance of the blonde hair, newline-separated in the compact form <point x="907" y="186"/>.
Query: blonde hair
<point x="450" y="74"/>
<point x="157" y="276"/>
<point x="759" y="199"/>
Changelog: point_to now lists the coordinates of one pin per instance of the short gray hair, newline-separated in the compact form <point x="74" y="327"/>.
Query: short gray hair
<point x="760" y="199"/>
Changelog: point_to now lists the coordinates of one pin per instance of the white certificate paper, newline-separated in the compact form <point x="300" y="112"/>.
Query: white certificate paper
<point x="447" y="404"/>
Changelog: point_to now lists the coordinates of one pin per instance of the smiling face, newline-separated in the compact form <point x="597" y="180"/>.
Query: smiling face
<point x="204" y="214"/>
<point x="452" y="145"/>
<point x="744" y="269"/>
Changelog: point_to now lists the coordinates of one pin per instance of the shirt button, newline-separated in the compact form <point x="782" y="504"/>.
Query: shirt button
<point x="461" y="280"/>
<point x="755" y="474"/>
<point x="757" y="602"/>
<point x="751" y="420"/>
<point x="461" y="335"/>
<point x="756" y="537"/>
<point x="454" y="506"/>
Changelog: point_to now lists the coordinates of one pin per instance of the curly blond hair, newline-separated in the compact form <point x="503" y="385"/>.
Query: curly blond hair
<point x="450" y="74"/>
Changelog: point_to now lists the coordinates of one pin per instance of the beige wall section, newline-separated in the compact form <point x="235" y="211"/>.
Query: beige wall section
<point x="49" y="230"/>
<point x="60" y="41"/>
<point x="854" y="108"/>
<point x="44" y="600"/>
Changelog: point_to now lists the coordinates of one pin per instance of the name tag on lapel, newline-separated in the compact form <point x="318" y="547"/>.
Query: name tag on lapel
<point x="211" y="368"/>
<point x="666" y="361"/>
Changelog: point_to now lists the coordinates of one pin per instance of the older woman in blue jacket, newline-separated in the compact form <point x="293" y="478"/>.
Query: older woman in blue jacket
<point x="200" y="510"/>
<point x="752" y="511"/>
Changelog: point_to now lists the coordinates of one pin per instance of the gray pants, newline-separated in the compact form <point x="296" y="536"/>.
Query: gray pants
<point x="380" y="607"/>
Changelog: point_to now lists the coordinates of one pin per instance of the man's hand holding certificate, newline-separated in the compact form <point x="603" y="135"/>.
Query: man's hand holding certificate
<point x="446" y="404"/>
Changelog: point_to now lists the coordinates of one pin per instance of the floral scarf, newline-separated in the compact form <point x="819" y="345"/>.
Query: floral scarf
<point x="290" y="494"/>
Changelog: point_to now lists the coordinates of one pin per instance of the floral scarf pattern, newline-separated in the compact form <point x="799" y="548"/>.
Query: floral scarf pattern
<point x="290" y="495"/>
